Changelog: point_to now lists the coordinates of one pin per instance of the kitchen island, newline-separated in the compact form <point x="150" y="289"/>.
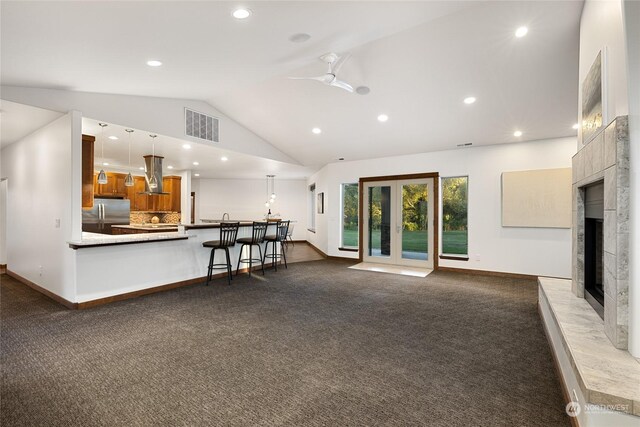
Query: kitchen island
<point x="116" y="267"/>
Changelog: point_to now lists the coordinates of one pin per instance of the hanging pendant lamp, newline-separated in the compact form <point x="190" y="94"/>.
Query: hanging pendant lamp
<point x="153" y="182"/>
<point x="128" y="181"/>
<point x="102" y="177"/>
<point x="273" y="188"/>
<point x="268" y="202"/>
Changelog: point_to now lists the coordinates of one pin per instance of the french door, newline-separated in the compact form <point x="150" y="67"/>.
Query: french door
<point x="398" y="219"/>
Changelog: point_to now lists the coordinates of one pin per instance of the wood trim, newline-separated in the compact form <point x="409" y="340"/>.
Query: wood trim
<point x="317" y="250"/>
<point x="401" y="177"/>
<point x="160" y="288"/>
<point x="43" y="291"/>
<point x="455" y="258"/>
<point x="436" y="207"/>
<point x="489" y="273"/>
<point x="556" y="364"/>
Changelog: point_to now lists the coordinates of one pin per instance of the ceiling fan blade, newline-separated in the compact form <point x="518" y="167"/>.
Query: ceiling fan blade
<point x="335" y="66"/>
<point x="319" y="78"/>
<point x="342" y="85"/>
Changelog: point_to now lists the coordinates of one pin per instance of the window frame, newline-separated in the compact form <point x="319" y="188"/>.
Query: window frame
<point x="312" y="208"/>
<point x="342" y="247"/>
<point x="443" y="255"/>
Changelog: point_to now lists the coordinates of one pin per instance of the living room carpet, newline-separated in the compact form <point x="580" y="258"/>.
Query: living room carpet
<point x="317" y="344"/>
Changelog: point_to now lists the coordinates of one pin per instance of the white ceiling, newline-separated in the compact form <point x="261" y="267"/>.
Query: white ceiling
<point x="19" y="120"/>
<point x="116" y="153"/>
<point x="420" y="60"/>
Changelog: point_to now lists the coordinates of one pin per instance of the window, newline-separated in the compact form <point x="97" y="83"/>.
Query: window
<point x="454" y="216"/>
<point x="349" y="215"/>
<point x="312" y="207"/>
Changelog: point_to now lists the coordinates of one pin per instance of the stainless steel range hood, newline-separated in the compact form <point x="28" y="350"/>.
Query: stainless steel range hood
<point x="156" y="161"/>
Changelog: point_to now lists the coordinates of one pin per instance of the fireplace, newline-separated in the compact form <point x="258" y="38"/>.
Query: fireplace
<point x="594" y="246"/>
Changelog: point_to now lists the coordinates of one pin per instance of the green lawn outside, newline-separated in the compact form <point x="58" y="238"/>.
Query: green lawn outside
<point x="453" y="242"/>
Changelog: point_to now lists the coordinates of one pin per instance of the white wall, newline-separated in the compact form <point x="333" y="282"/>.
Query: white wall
<point x="161" y="115"/>
<point x="3" y="221"/>
<point x="319" y="237"/>
<point x="601" y="26"/>
<point x="243" y="199"/>
<point x="536" y="251"/>
<point x="40" y="186"/>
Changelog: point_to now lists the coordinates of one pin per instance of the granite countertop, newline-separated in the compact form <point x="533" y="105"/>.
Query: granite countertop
<point x="95" y="239"/>
<point x="606" y="374"/>
<point x="172" y="227"/>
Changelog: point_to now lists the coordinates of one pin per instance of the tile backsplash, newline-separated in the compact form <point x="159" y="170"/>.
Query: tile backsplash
<point x="145" y="217"/>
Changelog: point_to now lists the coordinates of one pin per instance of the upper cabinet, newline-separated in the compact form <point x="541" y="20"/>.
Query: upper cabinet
<point x="87" y="170"/>
<point x="170" y="202"/>
<point x="113" y="188"/>
<point x="141" y="201"/>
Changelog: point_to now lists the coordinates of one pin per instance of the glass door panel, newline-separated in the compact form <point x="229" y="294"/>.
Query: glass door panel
<point x="415" y="220"/>
<point x="379" y="211"/>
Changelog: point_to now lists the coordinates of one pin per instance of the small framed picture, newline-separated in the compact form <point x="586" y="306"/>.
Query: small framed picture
<point x="320" y="203"/>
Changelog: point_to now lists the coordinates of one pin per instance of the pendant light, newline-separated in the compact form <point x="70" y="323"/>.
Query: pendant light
<point x="128" y="181"/>
<point x="153" y="182"/>
<point x="102" y="177"/>
<point x="273" y="188"/>
<point x="267" y="203"/>
<point x="271" y="195"/>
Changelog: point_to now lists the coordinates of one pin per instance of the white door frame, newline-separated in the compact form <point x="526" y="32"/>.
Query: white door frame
<point x="395" y="256"/>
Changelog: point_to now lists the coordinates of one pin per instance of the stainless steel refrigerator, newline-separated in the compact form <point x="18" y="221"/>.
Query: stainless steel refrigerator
<point x="104" y="214"/>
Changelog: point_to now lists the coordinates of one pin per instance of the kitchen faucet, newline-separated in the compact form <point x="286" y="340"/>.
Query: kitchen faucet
<point x="223" y="215"/>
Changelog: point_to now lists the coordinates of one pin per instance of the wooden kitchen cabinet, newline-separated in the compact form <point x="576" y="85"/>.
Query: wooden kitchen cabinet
<point x="171" y="202"/>
<point x="113" y="188"/>
<point x="139" y="202"/>
<point x="87" y="170"/>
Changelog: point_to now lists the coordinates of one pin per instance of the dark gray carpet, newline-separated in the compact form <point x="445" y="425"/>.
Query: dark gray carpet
<point x="317" y="344"/>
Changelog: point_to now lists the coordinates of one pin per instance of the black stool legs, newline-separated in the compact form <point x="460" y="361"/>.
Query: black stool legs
<point x="251" y="258"/>
<point x="213" y="266"/>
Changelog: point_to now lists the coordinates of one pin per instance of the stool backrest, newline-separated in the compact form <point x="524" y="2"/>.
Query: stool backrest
<point x="259" y="229"/>
<point x="283" y="230"/>
<point x="228" y="233"/>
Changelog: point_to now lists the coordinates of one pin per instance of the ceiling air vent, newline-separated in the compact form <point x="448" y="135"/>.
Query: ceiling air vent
<point x="201" y="126"/>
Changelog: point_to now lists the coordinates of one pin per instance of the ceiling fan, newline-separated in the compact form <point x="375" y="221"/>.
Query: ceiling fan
<point x="335" y="62"/>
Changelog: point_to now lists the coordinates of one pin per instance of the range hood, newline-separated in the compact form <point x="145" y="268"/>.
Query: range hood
<point x="156" y="161"/>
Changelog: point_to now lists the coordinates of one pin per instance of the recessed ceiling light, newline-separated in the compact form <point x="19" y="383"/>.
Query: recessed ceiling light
<point x="299" y="38"/>
<point x="241" y="13"/>
<point x="169" y="167"/>
<point x="105" y="164"/>
<point x="521" y="32"/>
<point x="517" y="133"/>
<point x="196" y="174"/>
<point x="195" y="163"/>
<point x="576" y="126"/>
<point x="141" y="168"/>
<point x="383" y="118"/>
<point x="317" y="131"/>
<point x="186" y="146"/>
<point x="362" y="90"/>
<point x="113" y="137"/>
<point x="154" y="63"/>
<point x="224" y="159"/>
<point x="469" y="100"/>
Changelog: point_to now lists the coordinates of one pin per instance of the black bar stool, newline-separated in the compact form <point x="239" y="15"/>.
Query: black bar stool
<point x="228" y="234"/>
<point x="282" y="231"/>
<point x="258" y="230"/>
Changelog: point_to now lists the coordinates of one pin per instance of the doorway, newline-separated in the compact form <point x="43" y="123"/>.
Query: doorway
<point x="398" y="220"/>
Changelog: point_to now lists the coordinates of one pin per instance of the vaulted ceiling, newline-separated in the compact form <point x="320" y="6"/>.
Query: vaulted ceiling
<point x="419" y="59"/>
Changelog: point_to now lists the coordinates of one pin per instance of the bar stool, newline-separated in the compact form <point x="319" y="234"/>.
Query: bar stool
<point x="290" y="236"/>
<point x="282" y="231"/>
<point x="258" y="230"/>
<point x="228" y="234"/>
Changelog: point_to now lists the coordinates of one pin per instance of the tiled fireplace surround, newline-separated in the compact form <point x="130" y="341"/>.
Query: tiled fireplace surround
<point x="606" y="157"/>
